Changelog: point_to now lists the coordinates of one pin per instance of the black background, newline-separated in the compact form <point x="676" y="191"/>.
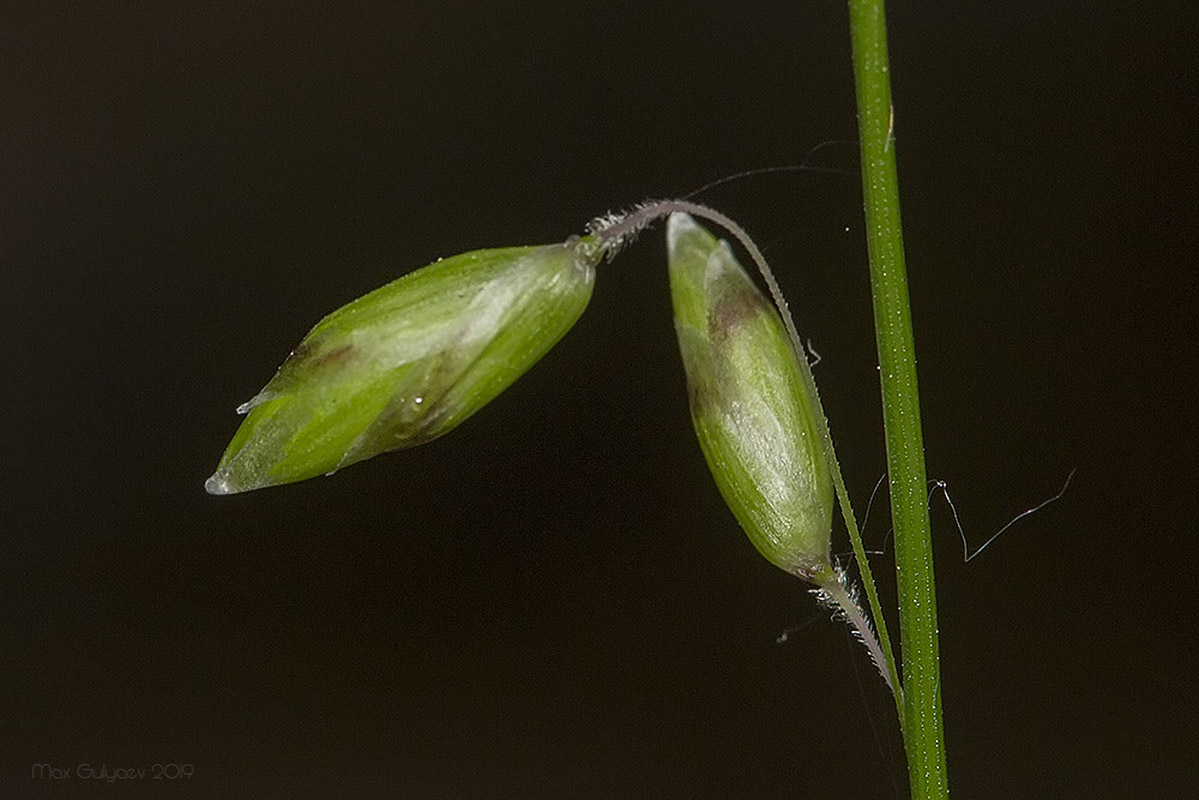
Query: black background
<point x="552" y="601"/>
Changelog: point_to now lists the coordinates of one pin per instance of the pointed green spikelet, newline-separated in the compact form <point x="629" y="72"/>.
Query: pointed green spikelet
<point x="408" y="362"/>
<point x="751" y="411"/>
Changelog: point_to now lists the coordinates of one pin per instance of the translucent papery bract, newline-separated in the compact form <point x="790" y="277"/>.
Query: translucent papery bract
<point x="751" y="411"/>
<point x="408" y="362"/>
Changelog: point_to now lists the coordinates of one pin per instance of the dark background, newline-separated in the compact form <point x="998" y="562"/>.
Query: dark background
<point x="552" y="601"/>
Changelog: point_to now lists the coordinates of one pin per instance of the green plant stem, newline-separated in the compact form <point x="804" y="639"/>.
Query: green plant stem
<point x="923" y="728"/>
